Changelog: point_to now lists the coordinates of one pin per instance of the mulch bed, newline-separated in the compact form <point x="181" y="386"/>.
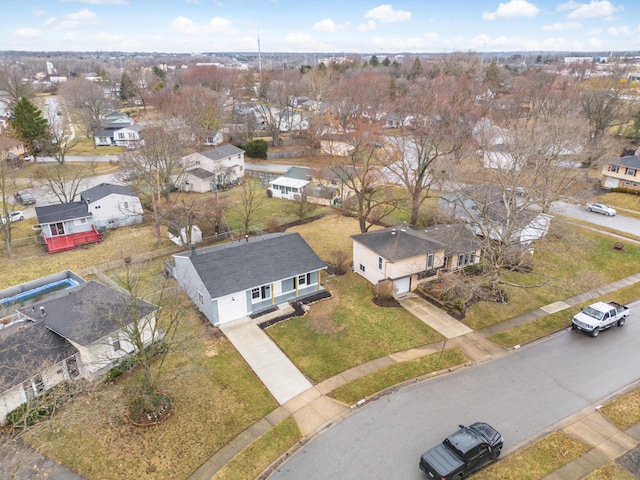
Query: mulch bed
<point x="140" y="416"/>
<point x="298" y="308"/>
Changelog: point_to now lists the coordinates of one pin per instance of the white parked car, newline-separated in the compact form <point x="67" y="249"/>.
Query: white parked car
<point x="601" y="208"/>
<point x="14" y="216"/>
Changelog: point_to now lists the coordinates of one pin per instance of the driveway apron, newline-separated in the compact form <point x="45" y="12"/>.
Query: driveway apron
<point x="271" y="365"/>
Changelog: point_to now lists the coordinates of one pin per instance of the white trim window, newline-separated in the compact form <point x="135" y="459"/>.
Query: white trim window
<point x="258" y="294"/>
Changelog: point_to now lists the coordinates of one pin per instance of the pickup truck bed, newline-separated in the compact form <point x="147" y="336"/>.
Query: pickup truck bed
<point x="600" y="316"/>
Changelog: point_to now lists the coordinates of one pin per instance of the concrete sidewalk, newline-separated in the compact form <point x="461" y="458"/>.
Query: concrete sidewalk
<point x="436" y="318"/>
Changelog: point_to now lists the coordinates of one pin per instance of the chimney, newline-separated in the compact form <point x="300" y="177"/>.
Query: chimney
<point x="42" y="312"/>
<point x="193" y="249"/>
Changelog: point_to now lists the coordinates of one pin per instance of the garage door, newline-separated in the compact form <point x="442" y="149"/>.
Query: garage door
<point x="232" y="307"/>
<point x="401" y="285"/>
<point x="610" y="182"/>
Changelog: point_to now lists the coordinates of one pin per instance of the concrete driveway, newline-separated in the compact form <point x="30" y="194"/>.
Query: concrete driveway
<point x="281" y="377"/>
<point x="442" y="323"/>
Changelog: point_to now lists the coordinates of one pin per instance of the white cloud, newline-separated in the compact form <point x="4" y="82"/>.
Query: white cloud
<point x="616" y="31"/>
<point x="596" y="44"/>
<point x="81" y="18"/>
<point x="326" y="25"/>
<point x="595" y="31"/>
<point x="98" y="2"/>
<point x="183" y="25"/>
<point x="28" y="33"/>
<point x="513" y="9"/>
<point x="570" y="5"/>
<point x="50" y="21"/>
<point x="595" y="9"/>
<point x="367" y="27"/>
<point x="560" y="27"/>
<point x="386" y="14"/>
<point x="219" y="25"/>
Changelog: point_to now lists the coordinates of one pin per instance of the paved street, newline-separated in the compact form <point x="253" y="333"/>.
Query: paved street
<point x="522" y="394"/>
<point x="619" y="222"/>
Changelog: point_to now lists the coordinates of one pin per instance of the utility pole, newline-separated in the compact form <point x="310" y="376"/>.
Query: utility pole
<point x="259" y="59"/>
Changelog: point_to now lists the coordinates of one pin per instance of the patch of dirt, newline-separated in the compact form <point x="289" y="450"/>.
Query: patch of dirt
<point x="211" y="339"/>
<point x="320" y="319"/>
<point x="385" y="302"/>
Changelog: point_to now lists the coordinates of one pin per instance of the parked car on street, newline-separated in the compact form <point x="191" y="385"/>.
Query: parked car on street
<point x="24" y="198"/>
<point x="600" y="316"/>
<point x="600" y="208"/>
<point x="462" y="452"/>
<point x="14" y="216"/>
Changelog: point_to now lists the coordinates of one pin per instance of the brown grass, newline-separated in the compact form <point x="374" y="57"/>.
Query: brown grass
<point x="624" y="411"/>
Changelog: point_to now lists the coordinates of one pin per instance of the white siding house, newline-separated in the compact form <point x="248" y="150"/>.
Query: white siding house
<point x="113" y="206"/>
<point x="211" y="169"/>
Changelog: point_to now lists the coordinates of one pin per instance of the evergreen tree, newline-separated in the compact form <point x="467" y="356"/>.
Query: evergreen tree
<point x="415" y="70"/>
<point x="386" y="62"/>
<point x="30" y="126"/>
<point x="373" y="61"/>
<point x="127" y="88"/>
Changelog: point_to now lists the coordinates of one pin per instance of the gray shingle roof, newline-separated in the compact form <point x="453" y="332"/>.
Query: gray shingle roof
<point x="299" y="173"/>
<point x="222" y="151"/>
<point x="630" y="161"/>
<point x="62" y="212"/>
<point x="27" y="349"/>
<point x="104" y="190"/>
<point x="200" y="173"/>
<point x="88" y="312"/>
<point x="239" y="266"/>
<point x="396" y="244"/>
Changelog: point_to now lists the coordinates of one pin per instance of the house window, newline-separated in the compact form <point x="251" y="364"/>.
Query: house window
<point x="631" y="172"/>
<point x="261" y="293"/>
<point x="57" y="229"/>
<point x="200" y="297"/>
<point x="613" y="168"/>
<point x="430" y="261"/>
<point x="241" y="167"/>
<point x="302" y="279"/>
<point x="104" y="140"/>
<point x="125" y="205"/>
<point x="28" y="390"/>
<point x="362" y="269"/>
<point x="80" y="221"/>
<point x="239" y="156"/>
<point x="121" y="136"/>
<point x="379" y="263"/>
<point x="116" y="344"/>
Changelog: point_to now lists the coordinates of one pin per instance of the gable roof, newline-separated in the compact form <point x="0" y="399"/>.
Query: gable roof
<point x="62" y="212"/>
<point x="104" y="190"/>
<point x="395" y="244"/>
<point x="27" y="349"/>
<point x="630" y="161"/>
<point x="289" y="182"/>
<point x="239" y="266"/>
<point x="221" y="151"/>
<point x="88" y="312"/>
<point x="299" y="173"/>
<point x="457" y="238"/>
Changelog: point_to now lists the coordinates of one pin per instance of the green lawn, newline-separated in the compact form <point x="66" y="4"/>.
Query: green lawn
<point x="348" y="330"/>
<point x="578" y="260"/>
<point x="217" y="396"/>
<point x="537" y="460"/>
<point x="398" y="373"/>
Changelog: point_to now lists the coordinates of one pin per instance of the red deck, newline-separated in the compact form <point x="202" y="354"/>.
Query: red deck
<point x="61" y="243"/>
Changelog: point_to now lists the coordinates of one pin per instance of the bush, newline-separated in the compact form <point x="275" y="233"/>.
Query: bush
<point x="339" y="262"/>
<point x="383" y="289"/>
<point x="255" y="148"/>
<point x="625" y="190"/>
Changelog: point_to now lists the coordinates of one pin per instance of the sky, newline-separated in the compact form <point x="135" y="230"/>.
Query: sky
<point x="320" y="26"/>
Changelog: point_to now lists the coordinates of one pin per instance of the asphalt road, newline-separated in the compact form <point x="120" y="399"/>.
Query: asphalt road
<point x="521" y="394"/>
<point x="619" y="222"/>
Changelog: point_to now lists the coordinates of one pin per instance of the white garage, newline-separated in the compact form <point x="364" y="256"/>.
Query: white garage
<point x="232" y="307"/>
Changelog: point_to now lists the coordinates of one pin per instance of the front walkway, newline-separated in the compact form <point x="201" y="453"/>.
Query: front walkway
<point x="270" y="364"/>
<point x="436" y="318"/>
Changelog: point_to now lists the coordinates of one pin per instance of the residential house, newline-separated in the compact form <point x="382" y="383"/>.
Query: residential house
<point x="113" y="206"/>
<point x="66" y="226"/>
<point x="300" y="180"/>
<point x="61" y="329"/>
<point x="11" y="149"/>
<point x="118" y="129"/>
<point x="407" y="256"/>
<point x="238" y="279"/>
<point x="211" y="169"/>
<point x="501" y="216"/>
<point x="621" y="173"/>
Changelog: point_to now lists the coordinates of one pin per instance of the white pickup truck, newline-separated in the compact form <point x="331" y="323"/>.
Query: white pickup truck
<point x="600" y="316"/>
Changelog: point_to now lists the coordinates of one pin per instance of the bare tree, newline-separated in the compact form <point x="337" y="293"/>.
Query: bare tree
<point x="436" y="120"/>
<point x="6" y="226"/>
<point x="251" y="198"/>
<point x="155" y="167"/>
<point x="88" y="101"/>
<point x="60" y="142"/>
<point x="301" y="207"/>
<point x="64" y="180"/>
<point x="12" y="81"/>
<point x="273" y="102"/>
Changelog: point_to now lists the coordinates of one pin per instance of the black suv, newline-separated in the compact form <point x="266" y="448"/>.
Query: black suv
<point x="24" y="198"/>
